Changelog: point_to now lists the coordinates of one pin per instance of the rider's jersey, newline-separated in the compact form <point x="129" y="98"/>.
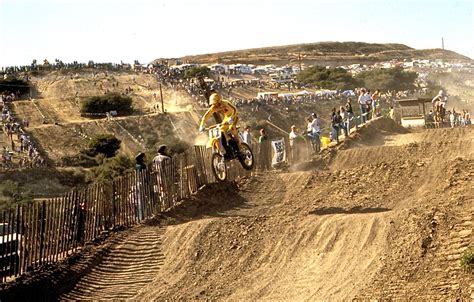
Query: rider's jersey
<point x="225" y="108"/>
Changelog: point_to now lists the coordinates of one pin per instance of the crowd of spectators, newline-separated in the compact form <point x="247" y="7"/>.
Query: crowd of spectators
<point x="20" y="150"/>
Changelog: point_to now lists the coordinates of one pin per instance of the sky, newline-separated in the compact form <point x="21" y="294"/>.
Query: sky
<point x="144" y="30"/>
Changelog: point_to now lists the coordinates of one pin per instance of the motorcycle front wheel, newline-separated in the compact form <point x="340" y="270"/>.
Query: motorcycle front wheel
<point x="219" y="168"/>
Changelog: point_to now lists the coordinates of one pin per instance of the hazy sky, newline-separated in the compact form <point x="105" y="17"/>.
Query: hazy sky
<point x="115" y="30"/>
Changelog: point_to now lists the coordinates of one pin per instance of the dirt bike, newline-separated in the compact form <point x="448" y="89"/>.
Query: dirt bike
<point x="224" y="151"/>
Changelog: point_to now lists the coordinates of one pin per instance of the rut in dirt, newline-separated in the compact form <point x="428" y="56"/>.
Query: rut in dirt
<point x="131" y="263"/>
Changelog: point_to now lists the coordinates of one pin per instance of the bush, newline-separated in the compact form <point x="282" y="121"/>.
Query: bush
<point x="14" y="194"/>
<point x="388" y="79"/>
<point x="107" y="103"/>
<point x="329" y="78"/>
<point x="105" y="144"/>
<point x="199" y="71"/>
<point x="467" y="260"/>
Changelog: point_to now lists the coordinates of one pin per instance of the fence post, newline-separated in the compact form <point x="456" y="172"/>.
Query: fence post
<point x="42" y="230"/>
<point x="114" y="209"/>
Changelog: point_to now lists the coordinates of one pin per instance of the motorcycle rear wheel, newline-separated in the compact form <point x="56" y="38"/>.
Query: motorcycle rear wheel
<point x="246" y="158"/>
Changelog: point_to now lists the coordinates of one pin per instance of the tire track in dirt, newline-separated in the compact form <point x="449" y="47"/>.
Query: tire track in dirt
<point x="131" y="264"/>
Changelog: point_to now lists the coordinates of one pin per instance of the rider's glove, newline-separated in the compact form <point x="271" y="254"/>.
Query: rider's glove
<point x="201" y="128"/>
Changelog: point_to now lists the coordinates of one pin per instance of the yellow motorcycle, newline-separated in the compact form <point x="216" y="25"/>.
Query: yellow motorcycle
<point x="224" y="151"/>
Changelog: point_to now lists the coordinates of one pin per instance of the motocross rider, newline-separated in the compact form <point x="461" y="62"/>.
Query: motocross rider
<point x="231" y="117"/>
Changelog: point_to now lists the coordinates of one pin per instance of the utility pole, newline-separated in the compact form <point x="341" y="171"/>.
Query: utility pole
<point x="299" y="59"/>
<point x="162" y="104"/>
<point x="442" y="42"/>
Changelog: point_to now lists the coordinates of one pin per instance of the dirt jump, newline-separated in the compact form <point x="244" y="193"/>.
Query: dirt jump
<point x="386" y="216"/>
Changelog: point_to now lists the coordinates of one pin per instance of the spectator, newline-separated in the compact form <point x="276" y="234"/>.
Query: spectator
<point x="452" y="118"/>
<point x="430" y="119"/>
<point x="391" y="113"/>
<point x="335" y="123"/>
<point x="162" y="156"/>
<point x="164" y="175"/>
<point x="247" y="138"/>
<point x="375" y="103"/>
<point x="343" y="123"/>
<point x="363" y="106"/>
<point x="264" y="154"/>
<point x="368" y="104"/>
<point x="293" y="136"/>
<point x="314" y="131"/>
<point x="140" y="162"/>
<point x="263" y="136"/>
<point x="350" y="114"/>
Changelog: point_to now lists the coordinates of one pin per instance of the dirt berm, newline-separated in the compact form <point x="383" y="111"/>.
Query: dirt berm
<point x="387" y="216"/>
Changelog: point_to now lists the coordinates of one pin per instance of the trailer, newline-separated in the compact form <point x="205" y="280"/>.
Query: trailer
<point x="414" y="112"/>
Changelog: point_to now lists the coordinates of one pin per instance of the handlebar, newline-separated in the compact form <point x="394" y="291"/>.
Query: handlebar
<point x="212" y="127"/>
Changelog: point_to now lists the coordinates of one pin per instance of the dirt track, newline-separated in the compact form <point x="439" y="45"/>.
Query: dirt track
<point x="387" y="215"/>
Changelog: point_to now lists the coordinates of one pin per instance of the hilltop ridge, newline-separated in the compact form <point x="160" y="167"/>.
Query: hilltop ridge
<point x="324" y="52"/>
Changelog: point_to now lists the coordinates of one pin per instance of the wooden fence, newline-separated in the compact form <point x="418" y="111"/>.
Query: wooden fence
<point x="48" y="231"/>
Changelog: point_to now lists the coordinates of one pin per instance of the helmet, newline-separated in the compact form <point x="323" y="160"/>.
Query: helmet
<point x="441" y="92"/>
<point x="214" y="99"/>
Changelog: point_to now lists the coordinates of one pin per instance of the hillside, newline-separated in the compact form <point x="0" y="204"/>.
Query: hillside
<point x="60" y="130"/>
<point x="325" y="53"/>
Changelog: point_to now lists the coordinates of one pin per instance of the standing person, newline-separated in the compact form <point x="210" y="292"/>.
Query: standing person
<point x="350" y="114"/>
<point x="293" y="136"/>
<point x="140" y="164"/>
<point x="264" y="150"/>
<point x="138" y="190"/>
<point x="368" y="104"/>
<point x="391" y="113"/>
<point x="335" y="120"/>
<point x="343" y="121"/>
<point x="376" y="103"/>
<point x="164" y="175"/>
<point x="247" y="136"/>
<point x="452" y="118"/>
<point x="314" y="131"/>
<point x="263" y="136"/>
<point x="362" y="106"/>
<point x="162" y="155"/>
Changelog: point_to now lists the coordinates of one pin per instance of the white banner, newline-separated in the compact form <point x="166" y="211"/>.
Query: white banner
<point x="279" y="154"/>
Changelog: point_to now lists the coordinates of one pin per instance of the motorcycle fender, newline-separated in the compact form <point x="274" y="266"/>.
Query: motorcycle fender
<point x="213" y="143"/>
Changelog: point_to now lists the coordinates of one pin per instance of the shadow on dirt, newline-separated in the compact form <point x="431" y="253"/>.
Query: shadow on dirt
<point x="354" y="210"/>
<point x="211" y="201"/>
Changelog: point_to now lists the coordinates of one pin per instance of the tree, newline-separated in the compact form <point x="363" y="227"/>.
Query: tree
<point x="13" y="85"/>
<point x="107" y="103"/>
<point x="106" y="144"/>
<point x="198" y="71"/>
<point x="110" y="168"/>
<point x="329" y="78"/>
<point x="389" y="79"/>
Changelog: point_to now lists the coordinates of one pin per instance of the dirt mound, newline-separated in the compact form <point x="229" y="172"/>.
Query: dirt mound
<point x="385" y="221"/>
